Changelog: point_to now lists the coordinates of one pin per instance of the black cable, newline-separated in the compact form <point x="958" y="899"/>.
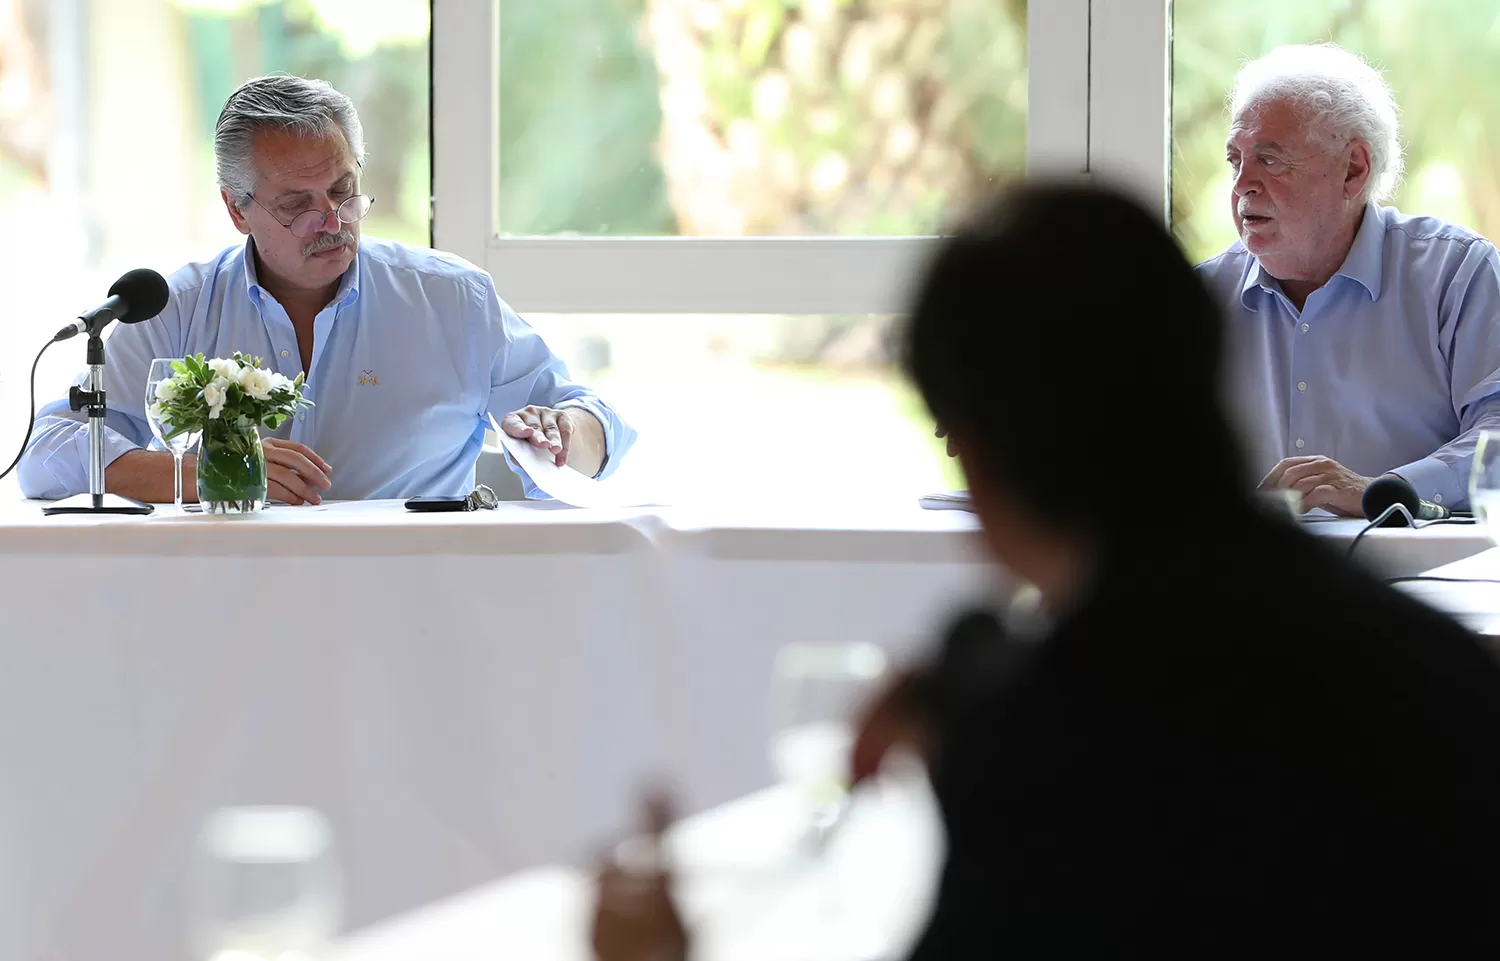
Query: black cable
<point x="31" y="418"/>
<point x="1411" y="522"/>
<point x="1394" y="508"/>
<point x="1442" y="579"/>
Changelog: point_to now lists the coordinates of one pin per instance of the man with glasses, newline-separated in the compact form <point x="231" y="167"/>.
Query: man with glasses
<point x="408" y="352"/>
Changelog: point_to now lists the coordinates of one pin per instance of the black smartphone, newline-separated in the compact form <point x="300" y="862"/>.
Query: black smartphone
<point x="437" y="504"/>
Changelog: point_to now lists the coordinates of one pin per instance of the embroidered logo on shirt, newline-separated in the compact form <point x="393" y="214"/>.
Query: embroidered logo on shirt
<point x="367" y="378"/>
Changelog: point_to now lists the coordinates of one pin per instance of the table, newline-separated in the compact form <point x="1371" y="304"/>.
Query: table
<point x="744" y="887"/>
<point x="1401" y="551"/>
<point x="462" y="695"/>
<point x="1472" y="595"/>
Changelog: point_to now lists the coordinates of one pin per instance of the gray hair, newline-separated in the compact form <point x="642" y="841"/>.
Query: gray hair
<point x="1343" y="96"/>
<point x="311" y="108"/>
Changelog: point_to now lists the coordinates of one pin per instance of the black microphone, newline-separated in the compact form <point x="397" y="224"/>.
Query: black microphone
<point x="1390" y="489"/>
<point x="139" y="295"/>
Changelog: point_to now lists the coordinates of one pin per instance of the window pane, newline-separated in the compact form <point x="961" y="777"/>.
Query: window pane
<point x="760" y="407"/>
<point x="107" y="110"/>
<point x="1438" y="56"/>
<point x="755" y="117"/>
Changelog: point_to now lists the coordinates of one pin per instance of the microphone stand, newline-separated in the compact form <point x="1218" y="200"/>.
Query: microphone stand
<point x="95" y="501"/>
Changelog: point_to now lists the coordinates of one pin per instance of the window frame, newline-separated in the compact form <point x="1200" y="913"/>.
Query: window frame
<point x="1089" y="105"/>
<point x="1130" y="98"/>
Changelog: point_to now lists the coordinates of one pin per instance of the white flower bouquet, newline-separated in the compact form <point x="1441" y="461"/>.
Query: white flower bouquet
<point x="228" y="399"/>
<point x="235" y="391"/>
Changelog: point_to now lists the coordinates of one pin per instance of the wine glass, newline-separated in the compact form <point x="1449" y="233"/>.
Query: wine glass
<point x="265" y="886"/>
<point x="161" y="371"/>
<point x="815" y="690"/>
<point x="1484" y="483"/>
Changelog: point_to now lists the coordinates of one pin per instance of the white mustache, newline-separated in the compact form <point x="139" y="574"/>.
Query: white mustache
<point x="329" y="241"/>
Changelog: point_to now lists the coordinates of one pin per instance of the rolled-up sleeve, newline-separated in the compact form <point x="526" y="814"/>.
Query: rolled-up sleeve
<point x="1472" y="348"/>
<point x="525" y="372"/>
<point x="56" y="461"/>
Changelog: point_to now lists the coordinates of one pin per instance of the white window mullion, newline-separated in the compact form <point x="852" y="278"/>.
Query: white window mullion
<point x="1057" y="85"/>
<point x="1130" y="96"/>
<point x="700" y="275"/>
<point x="465" y="131"/>
<point x="749" y="275"/>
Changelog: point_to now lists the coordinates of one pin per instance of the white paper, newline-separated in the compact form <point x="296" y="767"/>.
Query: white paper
<point x="564" y="483"/>
<point x="951" y="501"/>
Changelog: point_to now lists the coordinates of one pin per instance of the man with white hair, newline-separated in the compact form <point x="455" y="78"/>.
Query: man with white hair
<point x="1363" y="341"/>
<point x="409" y="353"/>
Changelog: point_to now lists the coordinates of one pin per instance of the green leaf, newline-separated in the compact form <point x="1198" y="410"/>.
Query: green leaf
<point x="761" y="27"/>
<point x="186" y="409"/>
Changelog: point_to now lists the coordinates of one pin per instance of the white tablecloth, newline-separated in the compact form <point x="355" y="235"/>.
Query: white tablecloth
<point x="1468" y="589"/>
<point x="463" y="695"/>
<point x="1402" y="551"/>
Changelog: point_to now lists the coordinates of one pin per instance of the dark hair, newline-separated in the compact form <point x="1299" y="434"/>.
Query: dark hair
<point x="1065" y="335"/>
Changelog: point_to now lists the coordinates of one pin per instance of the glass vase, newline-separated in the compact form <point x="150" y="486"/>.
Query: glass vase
<point x="231" y="469"/>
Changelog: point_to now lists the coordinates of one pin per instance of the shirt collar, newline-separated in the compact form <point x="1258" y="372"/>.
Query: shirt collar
<point x="1256" y="278"/>
<point x="347" y="293"/>
<point x="1362" y="264"/>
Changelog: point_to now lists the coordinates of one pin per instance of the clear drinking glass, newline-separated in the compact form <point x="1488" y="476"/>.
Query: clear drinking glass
<point x="816" y="688"/>
<point x="1484" y="483"/>
<point x="161" y="370"/>
<point x="265" y="886"/>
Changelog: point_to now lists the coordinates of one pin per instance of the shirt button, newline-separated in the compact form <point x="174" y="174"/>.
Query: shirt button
<point x="302" y="415"/>
<point x="1437" y="498"/>
<point x="1301" y="384"/>
<point x="1304" y="328"/>
<point x="285" y="353"/>
<point x="1300" y="443"/>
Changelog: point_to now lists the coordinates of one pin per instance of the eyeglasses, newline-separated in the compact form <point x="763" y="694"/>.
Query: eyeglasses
<point x="309" y="222"/>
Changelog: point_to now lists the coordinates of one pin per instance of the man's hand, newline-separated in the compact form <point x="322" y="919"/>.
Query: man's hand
<point x="634" y="917"/>
<point x="562" y="433"/>
<point x="890" y="719"/>
<point x="295" y="474"/>
<point x="1322" y="482"/>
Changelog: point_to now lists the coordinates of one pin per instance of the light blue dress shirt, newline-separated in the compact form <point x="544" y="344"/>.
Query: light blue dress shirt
<point x="410" y="360"/>
<point x="1393" y="366"/>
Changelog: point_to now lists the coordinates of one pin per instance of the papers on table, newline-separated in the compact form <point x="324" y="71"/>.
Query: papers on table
<point x="564" y="483"/>
<point x="951" y="501"/>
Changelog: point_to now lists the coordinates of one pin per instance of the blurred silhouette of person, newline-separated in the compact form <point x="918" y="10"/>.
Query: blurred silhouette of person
<point x="1221" y="739"/>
